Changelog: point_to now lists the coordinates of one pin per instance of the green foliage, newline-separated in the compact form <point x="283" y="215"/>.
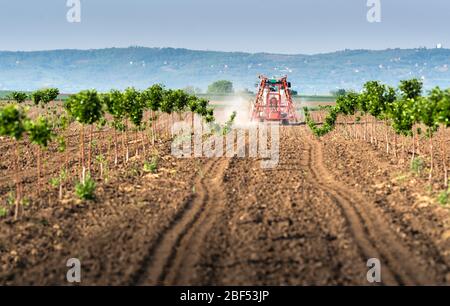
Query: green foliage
<point x="444" y="197"/>
<point x="44" y="96"/>
<point x="50" y="94"/>
<point x="85" y="107"/>
<point x="193" y="103"/>
<point x="37" y="97"/>
<point x="101" y="159"/>
<point x="168" y="102"/>
<point x="62" y="145"/>
<point x="221" y="87"/>
<point x="376" y="98"/>
<point x="154" y="96"/>
<point x="217" y="128"/>
<point x="114" y="103"/>
<point x="328" y="125"/>
<point x="202" y="108"/>
<point x="229" y="124"/>
<point x="181" y="100"/>
<point x="3" y="212"/>
<point x="209" y="115"/>
<point x="61" y="178"/>
<point x="428" y="110"/>
<point x="86" y="190"/>
<point x="382" y="102"/>
<point x="411" y="89"/>
<point x="11" y="199"/>
<point x="402" y="116"/>
<point x="151" y="166"/>
<point x="347" y="103"/>
<point x="39" y="131"/>
<point x="12" y="121"/>
<point x="134" y="106"/>
<point x="443" y="106"/>
<point x="63" y="122"/>
<point x="18" y="96"/>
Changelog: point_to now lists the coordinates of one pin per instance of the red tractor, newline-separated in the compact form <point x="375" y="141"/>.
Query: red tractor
<point x="274" y="101"/>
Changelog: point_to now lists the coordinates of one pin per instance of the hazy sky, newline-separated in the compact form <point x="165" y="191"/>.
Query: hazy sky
<point x="286" y="26"/>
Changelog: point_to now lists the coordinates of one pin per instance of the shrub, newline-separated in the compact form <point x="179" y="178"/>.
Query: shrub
<point x="18" y="96"/>
<point x="85" y="190"/>
<point x="151" y="166"/>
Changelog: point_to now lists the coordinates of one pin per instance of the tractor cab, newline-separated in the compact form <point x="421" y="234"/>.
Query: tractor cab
<point x="274" y="101"/>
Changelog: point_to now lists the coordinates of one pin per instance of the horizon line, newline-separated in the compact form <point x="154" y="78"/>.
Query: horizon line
<point x="221" y="51"/>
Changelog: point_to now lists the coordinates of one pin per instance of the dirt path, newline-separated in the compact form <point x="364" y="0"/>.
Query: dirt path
<point x="174" y="256"/>
<point x="369" y="227"/>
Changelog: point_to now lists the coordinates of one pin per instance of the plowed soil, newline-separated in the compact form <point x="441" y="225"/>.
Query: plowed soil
<point x="315" y="219"/>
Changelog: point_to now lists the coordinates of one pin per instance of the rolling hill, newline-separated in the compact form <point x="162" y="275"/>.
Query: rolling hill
<point x="73" y="70"/>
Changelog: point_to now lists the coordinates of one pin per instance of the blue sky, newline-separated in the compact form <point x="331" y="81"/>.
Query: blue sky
<point x="287" y="26"/>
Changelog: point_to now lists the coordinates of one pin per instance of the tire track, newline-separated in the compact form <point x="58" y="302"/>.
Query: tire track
<point x="369" y="228"/>
<point x="172" y="260"/>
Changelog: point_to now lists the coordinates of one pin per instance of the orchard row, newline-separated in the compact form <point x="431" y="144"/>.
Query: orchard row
<point x="122" y="111"/>
<point x="403" y="113"/>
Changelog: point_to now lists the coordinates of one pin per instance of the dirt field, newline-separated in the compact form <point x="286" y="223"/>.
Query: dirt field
<point x="316" y="219"/>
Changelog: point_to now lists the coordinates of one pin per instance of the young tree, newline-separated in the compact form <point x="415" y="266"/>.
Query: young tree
<point x="193" y="105"/>
<point x="12" y="124"/>
<point x="347" y="104"/>
<point x="363" y="106"/>
<point x="402" y="117"/>
<point x="168" y="105"/>
<point x="37" y="96"/>
<point x="40" y="134"/>
<point x="114" y="103"/>
<point x="86" y="108"/>
<point x="153" y="97"/>
<point x="443" y="119"/>
<point x="134" y="109"/>
<point x="428" y="112"/>
<point x="44" y="96"/>
<point x="203" y="109"/>
<point x="50" y="94"/>
<point x="411" y="89"/>
<point x="178" y="100"/>
<point x="18" y="96"/>
<point x="181" y="100"/>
